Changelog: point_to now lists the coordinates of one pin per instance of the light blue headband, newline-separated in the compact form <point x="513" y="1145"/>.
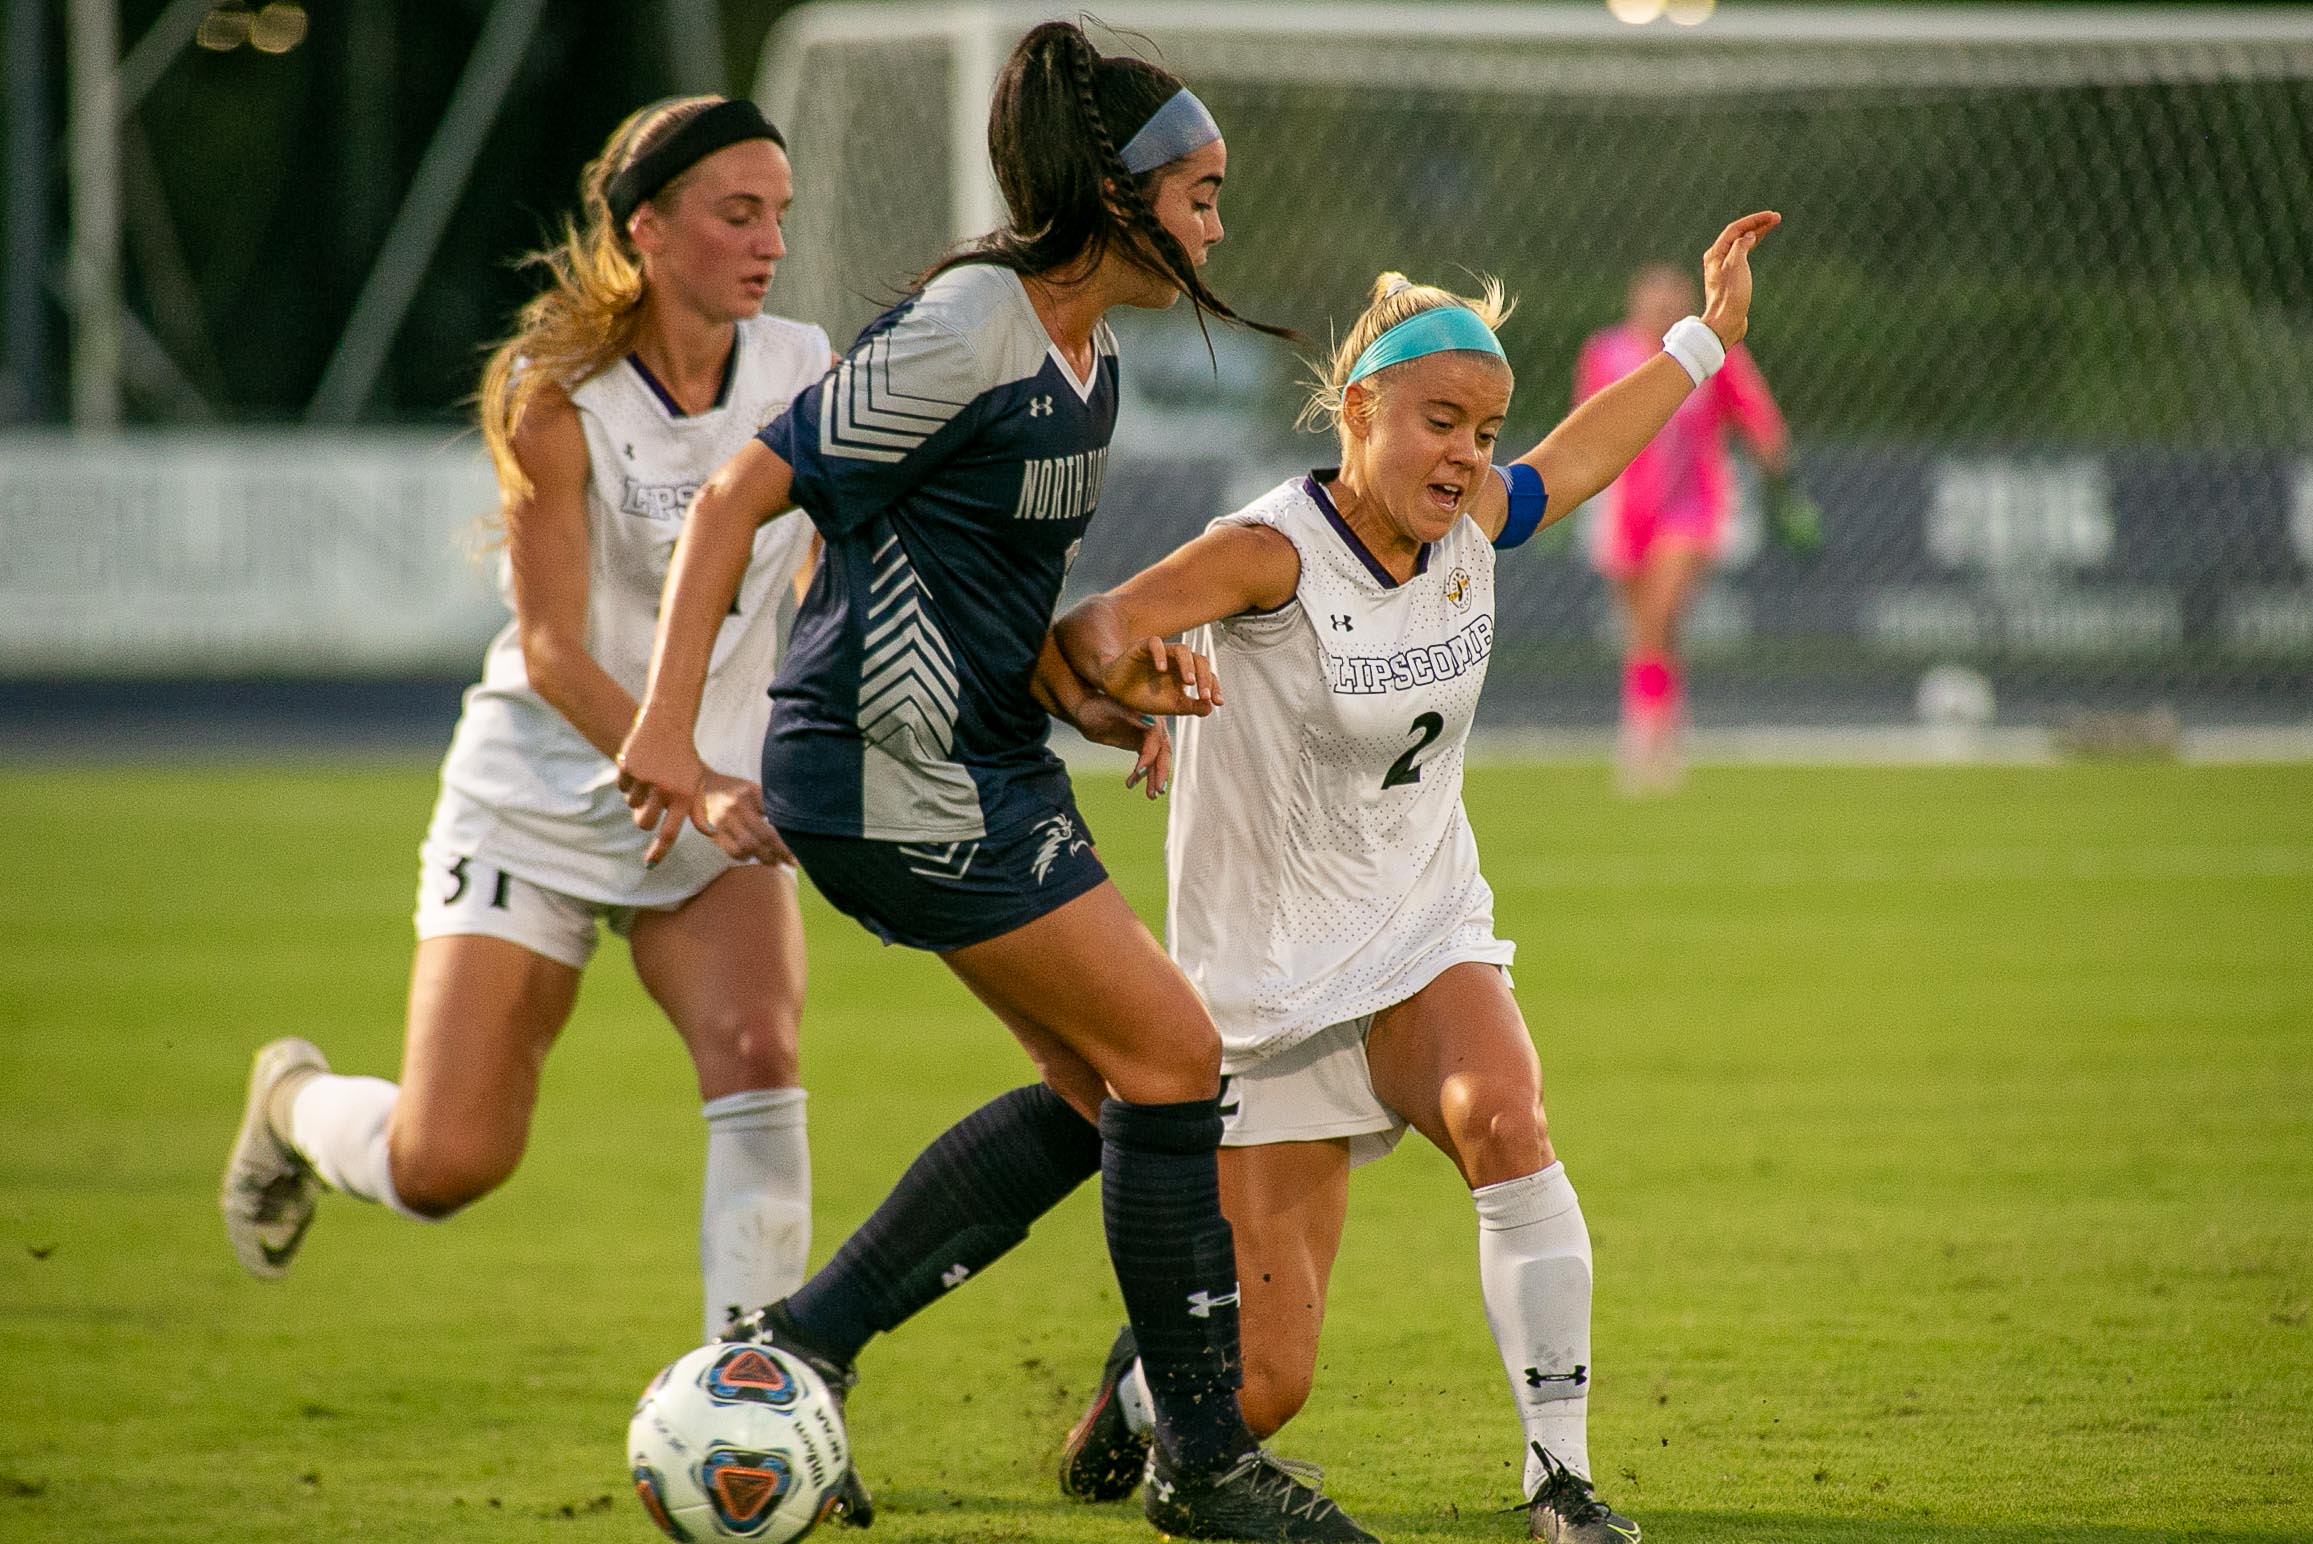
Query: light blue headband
<point x="1439" y="330"/>
<point x="1181" y="127"/>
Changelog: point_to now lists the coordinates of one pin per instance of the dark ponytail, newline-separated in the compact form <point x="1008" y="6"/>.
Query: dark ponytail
<point x="1064" y="183"/>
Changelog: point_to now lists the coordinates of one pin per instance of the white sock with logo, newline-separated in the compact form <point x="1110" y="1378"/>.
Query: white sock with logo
<point x="338" y="1124"/>
<point x="755" y="1217"/>
<point x="1534" y="1269"/>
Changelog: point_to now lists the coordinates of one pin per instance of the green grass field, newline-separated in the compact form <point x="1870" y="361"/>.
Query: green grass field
<point x="1947" y="1137"/>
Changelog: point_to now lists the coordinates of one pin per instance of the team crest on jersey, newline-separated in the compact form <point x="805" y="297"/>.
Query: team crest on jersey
<point x="745" y="1487"/>
<point x="1060" y="836"/>
<point x="1458" y="589"/>
<point x="743" y="1375"/>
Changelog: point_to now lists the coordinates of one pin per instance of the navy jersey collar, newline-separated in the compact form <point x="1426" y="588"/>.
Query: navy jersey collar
<point x="667" y="398"/>
<point x="1314" y="486"/>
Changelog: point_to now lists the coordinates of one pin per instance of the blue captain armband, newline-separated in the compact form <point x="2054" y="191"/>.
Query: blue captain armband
<point x="1528" y="499"/>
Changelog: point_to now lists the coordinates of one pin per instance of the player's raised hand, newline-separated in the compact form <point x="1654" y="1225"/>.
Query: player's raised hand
<point x="1727" y="276"/>
<point x="660" y="776"/>
<point x="1164" y="679"/>
<point x="730" y="809"/>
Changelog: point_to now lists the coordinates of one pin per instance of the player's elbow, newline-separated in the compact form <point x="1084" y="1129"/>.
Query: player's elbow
<point x="550" y="655"/>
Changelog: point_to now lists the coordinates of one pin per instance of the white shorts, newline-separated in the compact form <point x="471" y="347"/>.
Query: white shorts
<point x="1317" y="1089"/>
<point x="459" y="894"/>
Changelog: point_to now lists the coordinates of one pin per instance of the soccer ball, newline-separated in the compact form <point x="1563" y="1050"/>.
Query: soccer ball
<point x="737" y="1441"/>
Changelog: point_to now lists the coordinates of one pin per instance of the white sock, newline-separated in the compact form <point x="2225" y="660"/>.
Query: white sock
<point x="1132" y="1398"/>
<point x="1534" y="1268"/>
<point x="755" y="1220"/>
<point x="339" y="1125"/>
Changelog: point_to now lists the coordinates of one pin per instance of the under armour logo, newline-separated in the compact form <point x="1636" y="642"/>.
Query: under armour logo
<point x="953" y="1276"/>
<point x="630" y="452"/>
<point x="1202" y="1304"/>
<point x="1536" y="1377"/>
<point x="1341" y="622"/>
<point x="1040" y="407"/>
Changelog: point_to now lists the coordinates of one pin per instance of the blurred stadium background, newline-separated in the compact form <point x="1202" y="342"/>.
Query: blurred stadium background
<point x="2041" y="319"/>
<point x="1944" y="1132"/>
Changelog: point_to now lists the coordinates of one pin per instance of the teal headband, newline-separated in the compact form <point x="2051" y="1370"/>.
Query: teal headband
<point x="1438" y="330"/>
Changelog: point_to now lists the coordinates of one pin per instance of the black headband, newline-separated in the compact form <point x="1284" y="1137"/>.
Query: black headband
<point x="726" y="123"/>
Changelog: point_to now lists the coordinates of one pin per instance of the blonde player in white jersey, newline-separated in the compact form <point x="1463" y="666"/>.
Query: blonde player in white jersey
<point x="1324" y="890"/>
<point x="638" y="371"/>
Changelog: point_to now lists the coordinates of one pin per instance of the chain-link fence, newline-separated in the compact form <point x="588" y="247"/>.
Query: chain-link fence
<point x="2041" y="315"/>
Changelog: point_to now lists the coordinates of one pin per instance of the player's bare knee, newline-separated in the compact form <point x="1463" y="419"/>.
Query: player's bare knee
<point x="763" y="1048"/>
<point x="1501" y="1138"/>
<point x="1176" y="1066"/>
<point x="438" y="1185"/>
<point x="744" y="1046"/>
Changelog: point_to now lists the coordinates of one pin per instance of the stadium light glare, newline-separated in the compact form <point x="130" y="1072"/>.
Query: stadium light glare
<point x="1635" y="13"/>
<point x="1691" y="13"/>
<point x="278" y="28"/>
<point x="224" y="29"/>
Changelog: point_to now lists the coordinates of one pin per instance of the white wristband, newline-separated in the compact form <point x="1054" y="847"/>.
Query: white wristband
<point x="1697" y="349"/>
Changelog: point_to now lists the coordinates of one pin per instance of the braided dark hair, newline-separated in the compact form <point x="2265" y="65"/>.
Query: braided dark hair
<point x="1064" y="182"/>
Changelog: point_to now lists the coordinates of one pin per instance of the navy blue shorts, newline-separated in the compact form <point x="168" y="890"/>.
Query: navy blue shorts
<point x="945" y="895"/>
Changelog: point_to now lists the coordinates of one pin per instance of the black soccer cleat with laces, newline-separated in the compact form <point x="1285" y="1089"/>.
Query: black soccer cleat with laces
<point x="1103" y="1457"/>
<point x="1259" y="1497"/>
<point x="1564" y="1510"/>
<point x="771" y="1325"/>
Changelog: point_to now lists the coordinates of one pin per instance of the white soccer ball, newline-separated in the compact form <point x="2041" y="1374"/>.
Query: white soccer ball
<point x="737" y="1441"/>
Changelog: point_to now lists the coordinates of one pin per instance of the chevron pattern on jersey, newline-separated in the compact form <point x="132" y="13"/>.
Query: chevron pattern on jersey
<point x="865" y="415"/>
<point x="907" y="672"/>
<point x="940" y="860"/>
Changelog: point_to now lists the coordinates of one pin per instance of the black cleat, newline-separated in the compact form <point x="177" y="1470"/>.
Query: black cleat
<point x="1564" y="1511"/>
<point x="1260" y="1496"/>
<point x="1103" y="1457"/>
<point x="853" y="1506"/>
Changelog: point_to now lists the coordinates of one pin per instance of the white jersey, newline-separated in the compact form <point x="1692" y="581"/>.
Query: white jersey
<point x="1319" y="866"/>
<point x="521" y="787"/>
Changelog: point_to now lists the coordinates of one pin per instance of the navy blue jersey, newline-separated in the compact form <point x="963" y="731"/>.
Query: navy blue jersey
<point x="952" y="462"/>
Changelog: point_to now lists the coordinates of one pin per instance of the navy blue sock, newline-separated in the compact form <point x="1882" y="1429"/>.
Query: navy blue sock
<point x="966" y="1199"/>
<point x="1176" y="1263"/>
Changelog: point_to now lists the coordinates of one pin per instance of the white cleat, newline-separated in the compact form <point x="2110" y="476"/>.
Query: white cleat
<point x="269" y="1191"/>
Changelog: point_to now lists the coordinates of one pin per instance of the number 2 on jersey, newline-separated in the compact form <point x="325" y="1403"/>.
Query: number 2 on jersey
<point x="1429" y="726"/>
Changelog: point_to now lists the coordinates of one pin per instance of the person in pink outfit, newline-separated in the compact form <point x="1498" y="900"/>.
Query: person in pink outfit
<point x="1666" y="517"/>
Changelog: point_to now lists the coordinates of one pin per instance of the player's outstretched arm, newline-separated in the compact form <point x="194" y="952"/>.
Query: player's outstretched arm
<point x="659" y="768"/>
<point x="1602" y="436"/>
<point x="1116" y="640"/>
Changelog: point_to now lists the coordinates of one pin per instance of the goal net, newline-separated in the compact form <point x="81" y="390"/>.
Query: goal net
<point x="2040" y="316"/>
